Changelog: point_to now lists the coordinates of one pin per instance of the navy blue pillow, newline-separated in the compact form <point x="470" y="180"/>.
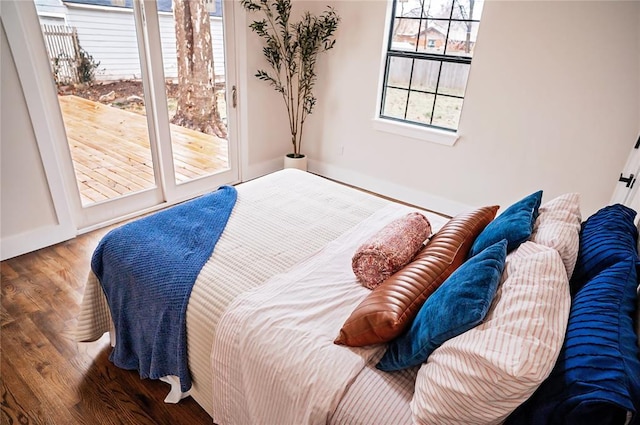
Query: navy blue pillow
<point x="596" y="379"/>
<point x="515" y="225"/>
<point x="606" y="237"/>
<point x="459" y="304"/>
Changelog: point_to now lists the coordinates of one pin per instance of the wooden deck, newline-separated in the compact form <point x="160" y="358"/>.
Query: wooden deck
<point x="111" y="153"/>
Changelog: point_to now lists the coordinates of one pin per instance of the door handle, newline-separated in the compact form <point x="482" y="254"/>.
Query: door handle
<point x="234" y="96"/>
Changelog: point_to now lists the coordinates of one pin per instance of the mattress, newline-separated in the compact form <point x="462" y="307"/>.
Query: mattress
<point x="278" y="221"/>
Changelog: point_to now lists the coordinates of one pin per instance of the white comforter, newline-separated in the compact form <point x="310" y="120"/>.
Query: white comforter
<point x="273" y="358"/>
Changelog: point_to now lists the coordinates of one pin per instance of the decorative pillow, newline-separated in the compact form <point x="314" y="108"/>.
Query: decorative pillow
<point x="482" y="375"/>
<point x="389" y="309"/>
<point x="514" y="224"/>
<point x="607" y="237"/>
<point x="461" y="303"/>
<point x="558" y="227"/>
<point x="390" y="249"/>
<point x="597" y="377"/>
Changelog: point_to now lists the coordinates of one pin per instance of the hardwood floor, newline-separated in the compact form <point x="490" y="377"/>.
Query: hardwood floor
<point x="46" y="377"/>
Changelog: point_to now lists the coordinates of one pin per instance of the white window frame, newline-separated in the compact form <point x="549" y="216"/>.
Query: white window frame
<point x="399" y="127"/>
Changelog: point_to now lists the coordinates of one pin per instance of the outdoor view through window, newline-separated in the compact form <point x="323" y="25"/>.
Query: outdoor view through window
<point x="428" y="60"/>
<point x="97" y="65"/>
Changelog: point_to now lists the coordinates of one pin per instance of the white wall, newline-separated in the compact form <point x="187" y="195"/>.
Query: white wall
<point x="552" y="103"/>
<point x="34" y="205"/>
<point x="561" y="118"/>
<point x="25" y="202"/>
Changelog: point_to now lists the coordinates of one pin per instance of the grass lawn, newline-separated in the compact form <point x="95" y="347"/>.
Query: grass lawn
<point x="420" y="106"/>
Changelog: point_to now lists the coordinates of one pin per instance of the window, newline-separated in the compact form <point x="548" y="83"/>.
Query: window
<point x="428" y="60"/>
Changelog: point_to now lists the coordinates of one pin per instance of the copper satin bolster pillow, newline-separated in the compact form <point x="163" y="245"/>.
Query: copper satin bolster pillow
<point x="391" y="248"/>
<point x="389" y="309"/>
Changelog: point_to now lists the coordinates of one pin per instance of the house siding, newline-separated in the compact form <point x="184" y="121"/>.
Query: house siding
<point x="50" y="7"/>
<point x="109" y="37"/>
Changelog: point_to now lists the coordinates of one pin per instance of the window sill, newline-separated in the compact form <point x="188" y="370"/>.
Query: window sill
<point x="426" y="134"/>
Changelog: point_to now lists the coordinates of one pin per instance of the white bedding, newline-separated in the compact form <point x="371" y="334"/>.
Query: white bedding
<point x="273" y="358"/>
<point x="278" y="221"/>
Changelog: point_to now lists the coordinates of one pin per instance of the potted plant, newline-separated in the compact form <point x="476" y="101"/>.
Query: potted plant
<point x="291" y="49"/>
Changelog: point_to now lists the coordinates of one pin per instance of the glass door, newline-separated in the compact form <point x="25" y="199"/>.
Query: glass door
<point x="194" y="53"/>
<point x="146" y="124"/>
<point x="194" y="70"/>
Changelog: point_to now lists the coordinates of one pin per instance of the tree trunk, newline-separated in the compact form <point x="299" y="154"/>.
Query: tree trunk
<point x="197" y="107"/>
<point x="467" y="44"/>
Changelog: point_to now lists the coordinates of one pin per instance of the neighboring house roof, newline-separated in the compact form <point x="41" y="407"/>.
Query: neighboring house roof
<point x="411" y="26"/>
<point x="163" y="5"/>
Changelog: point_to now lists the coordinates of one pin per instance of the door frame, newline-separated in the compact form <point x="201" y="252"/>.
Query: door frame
<point x="44" y="113"/>
<point x="627" y="190"/>
<point x="146" y="15"/>
<point x="23" y="33"/>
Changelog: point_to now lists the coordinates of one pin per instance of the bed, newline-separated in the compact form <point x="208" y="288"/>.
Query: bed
<point x="288" y="227"/>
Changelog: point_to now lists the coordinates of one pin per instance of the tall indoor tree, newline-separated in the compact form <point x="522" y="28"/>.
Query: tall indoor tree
<point x="197" y="107"/>
<point x="291" y="49"/>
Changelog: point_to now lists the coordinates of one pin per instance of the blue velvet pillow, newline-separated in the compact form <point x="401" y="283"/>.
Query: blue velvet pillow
<point x="596" y="379"/>
<point x="515" y="225"/>
<point x="461" y="303"/>
<point x="606" y="237"/>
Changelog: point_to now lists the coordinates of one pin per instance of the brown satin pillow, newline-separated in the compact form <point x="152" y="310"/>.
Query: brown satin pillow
<point x="391" y="307"/>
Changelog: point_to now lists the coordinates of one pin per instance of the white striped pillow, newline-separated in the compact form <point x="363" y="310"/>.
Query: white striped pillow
<point x="558" y="227"/>
<point x="482" y="375"/>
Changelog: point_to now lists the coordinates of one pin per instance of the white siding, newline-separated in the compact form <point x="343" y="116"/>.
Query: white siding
<point x="52" y="20"/>
<point x="50" y="8"/>
<point x="109" y="37"/>
<point x="218" y="47"/>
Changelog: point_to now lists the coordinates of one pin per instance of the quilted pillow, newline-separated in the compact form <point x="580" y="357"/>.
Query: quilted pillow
<point x="390" y="249"/>
<point x="482" y="375"/>
<point x="607" y="237"/>
<point x="558" y="227"/>
<point x="514" y="224"/>
<point x="458" y="305"/>
<point x="389" y="309"/>
<point x="597" y="377"/>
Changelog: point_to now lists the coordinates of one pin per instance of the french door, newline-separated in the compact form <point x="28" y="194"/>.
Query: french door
<point x="127" y="89"/>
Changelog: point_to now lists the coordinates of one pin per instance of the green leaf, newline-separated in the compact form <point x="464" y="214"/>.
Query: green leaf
<point x="291" y="50"/>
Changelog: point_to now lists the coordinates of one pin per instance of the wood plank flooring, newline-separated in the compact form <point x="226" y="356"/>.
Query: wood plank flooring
<point x="111" y="154"/>
<point x="46" y="377"/>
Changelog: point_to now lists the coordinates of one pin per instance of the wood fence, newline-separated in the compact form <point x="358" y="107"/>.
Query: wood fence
<point x="424" y="75"/>
<point x="64" y="52"/>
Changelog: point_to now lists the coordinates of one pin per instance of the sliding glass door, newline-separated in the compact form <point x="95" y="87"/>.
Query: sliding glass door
<point x="143" y="91"/>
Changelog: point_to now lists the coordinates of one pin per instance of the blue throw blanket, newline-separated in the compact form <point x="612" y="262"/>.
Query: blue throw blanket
<point x="147" y="269"/>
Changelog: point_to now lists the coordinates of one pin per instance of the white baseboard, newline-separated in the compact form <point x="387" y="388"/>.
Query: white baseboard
<point x="14" y="245"/>
<point x="392" y="190"/>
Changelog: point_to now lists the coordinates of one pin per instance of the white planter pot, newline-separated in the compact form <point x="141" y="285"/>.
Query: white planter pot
<point x="298" y="163"/>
